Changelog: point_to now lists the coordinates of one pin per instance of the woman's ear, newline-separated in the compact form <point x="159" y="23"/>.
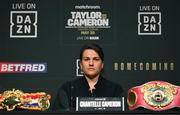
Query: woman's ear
<point x="102" y="65"/>
<point x="80" y="65"/>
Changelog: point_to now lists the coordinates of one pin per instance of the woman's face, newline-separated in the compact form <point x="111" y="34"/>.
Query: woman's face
<point x="91" y="63"/>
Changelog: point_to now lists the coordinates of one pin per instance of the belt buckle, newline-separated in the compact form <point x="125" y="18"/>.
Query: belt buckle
<point x="158" y="94"/>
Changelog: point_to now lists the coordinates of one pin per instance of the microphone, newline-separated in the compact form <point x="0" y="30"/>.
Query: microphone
<point x="71" y="98"/>
<point x="93" y="94"/>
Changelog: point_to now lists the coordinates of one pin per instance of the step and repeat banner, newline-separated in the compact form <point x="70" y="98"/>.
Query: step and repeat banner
<point x="40" y="42"/>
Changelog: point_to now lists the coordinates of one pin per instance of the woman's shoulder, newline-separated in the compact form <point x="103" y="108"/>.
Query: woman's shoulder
<point x="72" y="82"/>
<point x="111" y="84"/>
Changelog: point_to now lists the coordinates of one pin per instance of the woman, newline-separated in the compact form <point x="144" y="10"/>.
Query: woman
<point x="92" y="84"/>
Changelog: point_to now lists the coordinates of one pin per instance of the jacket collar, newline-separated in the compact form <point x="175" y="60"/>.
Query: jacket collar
<point x="97" y="85"/>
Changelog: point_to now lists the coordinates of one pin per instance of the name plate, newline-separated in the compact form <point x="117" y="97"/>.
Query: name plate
<point x="99" y="103"/>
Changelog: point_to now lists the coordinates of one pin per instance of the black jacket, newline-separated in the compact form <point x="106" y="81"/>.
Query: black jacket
<point x="67" y="93"/>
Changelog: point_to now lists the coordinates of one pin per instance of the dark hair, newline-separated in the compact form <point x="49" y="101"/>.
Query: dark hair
<point x="94" y="47"/>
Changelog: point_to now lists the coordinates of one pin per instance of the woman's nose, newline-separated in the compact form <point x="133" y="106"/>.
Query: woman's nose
<point x="91" y="62"/>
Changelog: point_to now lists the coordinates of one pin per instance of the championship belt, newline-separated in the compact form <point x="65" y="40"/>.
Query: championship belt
<point x="154" y="95"/>
<point x="12" y="99"/>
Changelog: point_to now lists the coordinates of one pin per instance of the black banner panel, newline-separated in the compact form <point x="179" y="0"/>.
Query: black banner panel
<point x="40" y="42"/>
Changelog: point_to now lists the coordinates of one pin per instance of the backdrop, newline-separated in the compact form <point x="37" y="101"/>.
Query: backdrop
<point x="140" y="39"/>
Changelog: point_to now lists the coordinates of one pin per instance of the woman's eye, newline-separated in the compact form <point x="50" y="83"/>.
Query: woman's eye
<point x="96" y="59"/>
<point x="86" y="59"/>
